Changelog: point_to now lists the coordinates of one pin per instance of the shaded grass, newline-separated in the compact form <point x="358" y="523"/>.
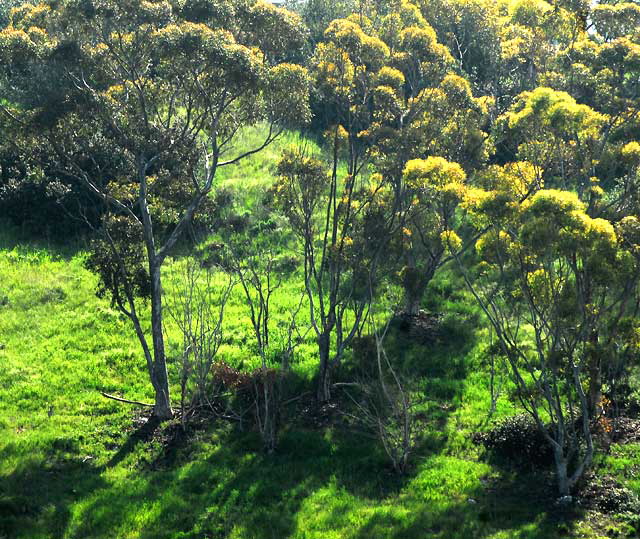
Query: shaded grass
<point x="71" y="466"/>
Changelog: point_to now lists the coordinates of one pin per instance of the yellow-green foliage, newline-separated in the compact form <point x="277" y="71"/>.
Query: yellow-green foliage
<point x="556" y="111"/>
<point x="631" y="153"/>
<point x="451" y="241"/>
<point x="18" y="44"/>
<point x="29" y="15"/>
<point x="529" y="12"/>
<point x="457" y="90"/>
<point x="422" y="43"/>
<point x="333" y="68"/>
<point x="388" y="76"/>
<point x="553" y="204"/>
<point x="434" y="173"/>
<point x="494" y="247"/>
<point x="361" y="48"/>
<point x="500" y="191"/>
<point x="554" y="223"/>
<point x="288" y="106"/>
<point x="616" y="20"/>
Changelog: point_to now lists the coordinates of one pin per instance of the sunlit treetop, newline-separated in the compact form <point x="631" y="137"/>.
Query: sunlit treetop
<point x="628" y="230"/>
<point x="151" y="50"/>
<point x="557" y="24"/>
<point x="555" y="222"/>
<point x="362" y="48"/>
<point x="405" y="15"/>
<point x="498" y="192"/>
<point x="531" y="13"/>
<point x="554" y="132"/>
<point x="552" y="228"/>
<point x="631" y="154"/>
<point x="556" y="111"/>
<point x="436" y="181"/>
<point x="116" y="88"/>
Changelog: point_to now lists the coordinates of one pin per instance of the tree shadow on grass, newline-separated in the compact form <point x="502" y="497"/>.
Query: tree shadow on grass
<point x="515" y="506"/>
<point x="142" y="434"/>
<point x="217" y="481"/>
<point x="35" y="498"/>
<point x="231" y="485"/>
<point x="57" y="250"/>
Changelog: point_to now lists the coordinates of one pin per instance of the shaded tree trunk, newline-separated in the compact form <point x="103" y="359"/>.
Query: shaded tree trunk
<point x="414" y="284"/>
<point x="159" y="376"/>
<point x="412" y="302"/>
<point x="595" y="377"/>
<point x="324" y="379"/>
<point x="561" y="471"/>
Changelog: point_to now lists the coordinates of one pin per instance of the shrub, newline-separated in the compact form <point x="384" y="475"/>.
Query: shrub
<point x="517" y="439"/>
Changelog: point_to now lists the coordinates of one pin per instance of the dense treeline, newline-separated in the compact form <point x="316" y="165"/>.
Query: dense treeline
<point x="498" y="139"/>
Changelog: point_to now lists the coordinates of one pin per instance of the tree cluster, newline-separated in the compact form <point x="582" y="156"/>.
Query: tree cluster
<point x="501" y="139"/>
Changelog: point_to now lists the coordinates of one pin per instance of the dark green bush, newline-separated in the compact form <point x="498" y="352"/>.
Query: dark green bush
<point x="517" y="439"/>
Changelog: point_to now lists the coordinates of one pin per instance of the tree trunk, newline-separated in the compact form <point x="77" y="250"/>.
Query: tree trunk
<point x="324" y="380"/>
<point x="159" y="376"/>
<point x="414" y="283"/>
<point x="411" y="304"/>
<point x="414" y="287"/>
<point x="270" y="406"/>
<point x="595" y="378"/>
<point x="561" y="471"/>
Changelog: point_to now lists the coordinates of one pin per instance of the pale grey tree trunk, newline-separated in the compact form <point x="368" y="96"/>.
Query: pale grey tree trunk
<point x="159" y="376"/>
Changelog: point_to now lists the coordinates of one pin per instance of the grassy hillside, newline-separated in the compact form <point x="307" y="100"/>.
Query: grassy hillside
<point x="76" y="465"/>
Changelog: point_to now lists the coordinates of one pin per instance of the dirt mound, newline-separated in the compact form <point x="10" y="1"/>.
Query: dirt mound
<point x="625" y="430"/>
<point x="607" y="495"/>
<point x="422" y="327"/>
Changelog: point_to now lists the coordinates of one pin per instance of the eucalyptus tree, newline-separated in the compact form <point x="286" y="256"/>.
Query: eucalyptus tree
<point x="345" y="66"/>
<point x="343" y="227"/>
<point x="552" y="131"/>
<point x="141" y="101"/>
<point x="433" y="143"/>
<point x="383" y="82"/>
<point x="555" y="284"/>
<point x="435" y="187"/>
<point x="604" y="76"/>
<point x="471" y="29"/>
<point x="394" y="98"/>
<point x="616" y="19"/>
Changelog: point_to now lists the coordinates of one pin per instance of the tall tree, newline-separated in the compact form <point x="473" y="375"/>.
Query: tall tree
<point x="551" y="130"/>
<point x="343" y="224"/>
<point x="142" y="101"/>
<point x="552" y="283"/>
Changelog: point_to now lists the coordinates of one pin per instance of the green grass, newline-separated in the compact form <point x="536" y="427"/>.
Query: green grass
<point x="73" y="465"/>
<point x="251" y="176"/>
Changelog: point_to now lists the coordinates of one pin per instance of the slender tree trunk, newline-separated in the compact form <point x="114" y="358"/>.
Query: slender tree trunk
<point x="324" y="380"/>
<point x="159" y="376"/>
<point x="595" y="377"/>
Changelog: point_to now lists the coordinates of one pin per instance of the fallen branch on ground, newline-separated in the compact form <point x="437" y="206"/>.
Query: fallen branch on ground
<point x="126" y="401"/>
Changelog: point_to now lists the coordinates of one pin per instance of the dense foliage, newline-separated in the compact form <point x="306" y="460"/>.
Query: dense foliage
<point x="489" y="149"/>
